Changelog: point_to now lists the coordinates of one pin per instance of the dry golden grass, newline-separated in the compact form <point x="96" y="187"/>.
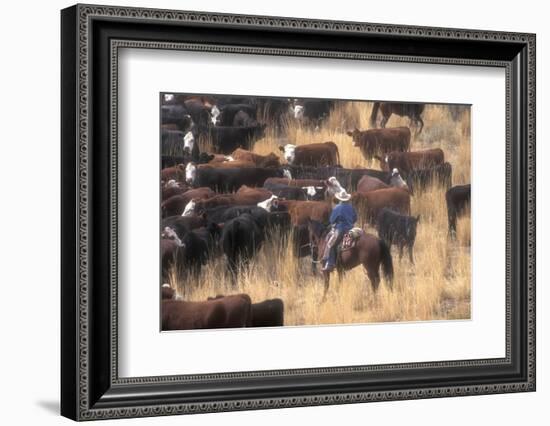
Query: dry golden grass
<point x="436" y="287"/>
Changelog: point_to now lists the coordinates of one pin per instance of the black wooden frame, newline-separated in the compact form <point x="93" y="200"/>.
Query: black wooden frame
<point x="90" y="387"/>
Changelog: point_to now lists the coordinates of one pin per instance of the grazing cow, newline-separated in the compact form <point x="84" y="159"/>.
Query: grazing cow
<point x="226" y="139"/>
<point x="167" y="292"/>
<point x="441" y="174"/>
<point x="229" y="180"/>
<point x="398" y="229"/>
<point x="240" y="240"/>
<point x="370" y="204"/>
<point x="314" y="154"/>
<point x="381" y="141"/>
<point x="175" y="205"/>
<point x="227" y="312"/>
<point x="269" y="313"/>
<point x="406" y="162"/>
<point x="412" y="110"/>
<point x="269" y="160"/>
<point x="181" y="225"/>
<point x="302" y="211"/>
<point x="458" y="202"/>
<point x="225" y="116"/>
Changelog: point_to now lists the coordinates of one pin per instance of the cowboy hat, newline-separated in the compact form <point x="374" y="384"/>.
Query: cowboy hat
<point x="343" y="196"/>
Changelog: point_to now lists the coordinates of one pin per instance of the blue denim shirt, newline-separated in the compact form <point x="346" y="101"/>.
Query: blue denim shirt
<point x="343" y="217"/>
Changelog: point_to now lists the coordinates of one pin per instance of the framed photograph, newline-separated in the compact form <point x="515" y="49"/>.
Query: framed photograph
<point x="263" y="212"/>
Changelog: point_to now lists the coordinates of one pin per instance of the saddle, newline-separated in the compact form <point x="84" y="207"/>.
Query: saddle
<point x="350" y="238"/>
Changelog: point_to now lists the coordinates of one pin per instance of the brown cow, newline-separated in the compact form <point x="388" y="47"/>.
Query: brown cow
<point x="171" y="188"/>
<point x="269" y="160"/>
<point x="175" y="205"/>
<point x="369" y="183"/>
<point x="269" y="313"/>
<point x="313" y="154"/>
<point x="176" y="173"/>
<point x="301" y="211"/>
<point x="227" y="312"/>
<point x="381" y="141"/>
<point x="406" y="162"/>
<point x="369" y="204"/>
<point x="245" y="196"/>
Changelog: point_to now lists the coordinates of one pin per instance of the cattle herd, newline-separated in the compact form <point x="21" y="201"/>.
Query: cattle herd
<point x="222" y="200"/>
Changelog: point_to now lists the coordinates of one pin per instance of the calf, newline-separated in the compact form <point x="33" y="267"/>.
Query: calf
<point x="370" y="204"/>
<point x="398" y="229"/>
<point x="458" y="202"/>
<point x="381" y="141"/>
<point x="406" y="162"/>
<point x="227" y="312"/>
<point x="314" y="154"/>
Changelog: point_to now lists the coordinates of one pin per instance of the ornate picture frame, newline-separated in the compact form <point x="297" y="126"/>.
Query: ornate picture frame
<point x="91" y="386"/>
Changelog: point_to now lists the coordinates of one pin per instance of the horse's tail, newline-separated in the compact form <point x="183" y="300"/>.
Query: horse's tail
<point x="374" y="114"/>
<point x="387" y="263"/>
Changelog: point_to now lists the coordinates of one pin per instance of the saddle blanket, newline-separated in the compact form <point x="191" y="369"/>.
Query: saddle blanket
<point x="349" y="239"/>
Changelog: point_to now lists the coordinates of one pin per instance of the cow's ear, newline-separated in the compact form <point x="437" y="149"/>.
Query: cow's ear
<point x="376" y="157"/>
<point x="282" y="148"/>
<point x="349" y="133"/>
<point x="180" y="167"/>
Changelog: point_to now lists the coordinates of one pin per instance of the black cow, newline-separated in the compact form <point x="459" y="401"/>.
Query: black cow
<point x="226" y="139"/>
<point x="398" y="229"/>
<point x="419" y="180"/>
<point x="173" y="143"/>
<point x="200" y="245"/>
<point x="228" y="112"/>
<point x="312" y="111"/>
<point x="178" y="115"/>
<point x="230" y="180"/>
<point x="199" y="112"/>
<point x="267" y="221"/>
<point x="289" y="192"/>
<point x="458" y="201"/>
<point x="240" y="240"/>
<point x="269" y="313"/>
<point x="183" y="224"/>
<point x="242" y="119"/>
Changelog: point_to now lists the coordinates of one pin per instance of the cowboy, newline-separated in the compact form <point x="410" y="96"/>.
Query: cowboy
<point x="342" y="219"/>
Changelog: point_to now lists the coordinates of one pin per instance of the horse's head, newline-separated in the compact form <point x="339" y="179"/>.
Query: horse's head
<point x="317" y="232"/>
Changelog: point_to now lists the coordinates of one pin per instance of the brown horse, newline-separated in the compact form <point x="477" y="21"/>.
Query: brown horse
<point x="411" y="110"/>
<point x="369" y="251"/>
